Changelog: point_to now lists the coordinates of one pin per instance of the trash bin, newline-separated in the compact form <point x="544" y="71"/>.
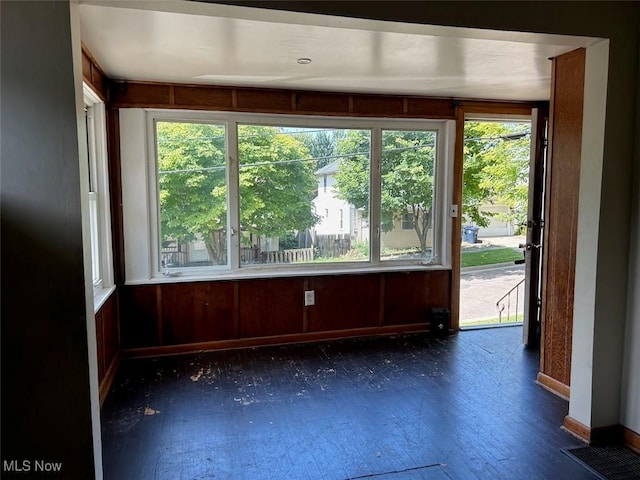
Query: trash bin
<point x="470" y="234"/>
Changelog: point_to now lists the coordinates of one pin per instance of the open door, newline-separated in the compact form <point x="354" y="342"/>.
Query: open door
<point x="533" y="247"/>
<point x="562" y="186"/>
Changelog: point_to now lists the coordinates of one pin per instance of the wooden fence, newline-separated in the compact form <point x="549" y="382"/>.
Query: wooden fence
<point x="333" y="245"/>
<point x="297" y="255"/>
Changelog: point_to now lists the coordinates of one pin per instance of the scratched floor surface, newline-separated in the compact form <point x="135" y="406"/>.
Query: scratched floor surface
<point x="405" y="407"/>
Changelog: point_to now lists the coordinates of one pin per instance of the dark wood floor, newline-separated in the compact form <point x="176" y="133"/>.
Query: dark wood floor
<point x="406" y="407"/>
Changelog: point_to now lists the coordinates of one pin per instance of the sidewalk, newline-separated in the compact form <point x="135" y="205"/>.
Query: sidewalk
<point x="496" y="242"/>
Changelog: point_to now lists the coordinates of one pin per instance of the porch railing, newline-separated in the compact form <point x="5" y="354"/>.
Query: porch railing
<point x="510" y="303"/>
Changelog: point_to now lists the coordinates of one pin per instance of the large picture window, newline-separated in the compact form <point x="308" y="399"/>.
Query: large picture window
<point x="286" y="176"/>
<point x="259" y="193"/>
<point x="192" y="194"/>
<point x="407" y="194"/>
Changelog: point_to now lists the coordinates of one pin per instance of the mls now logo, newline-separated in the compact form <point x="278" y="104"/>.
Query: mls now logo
<point x="27" y="466"/>
<point x="16" y="466"/>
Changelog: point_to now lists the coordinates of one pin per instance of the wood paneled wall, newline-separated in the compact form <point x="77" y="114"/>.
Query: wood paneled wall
<point x="181" y="317"/>
<point x="254" y="100"/>
<point x="170" y="318"/>
<point x="561" y="216"/>
<point x="108" y="342"/>
<point x="94" y="75"/>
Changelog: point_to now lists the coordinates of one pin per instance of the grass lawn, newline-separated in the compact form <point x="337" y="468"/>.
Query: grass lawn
<point x="493" y="321"/>
<point x="490" y="256"/>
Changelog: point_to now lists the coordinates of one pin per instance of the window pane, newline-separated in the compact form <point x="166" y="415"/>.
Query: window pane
<point x="95" y="239"/>
<point x="407" y="194"/>
<point x="192" y="194"/>
<point x="304" y="194"/>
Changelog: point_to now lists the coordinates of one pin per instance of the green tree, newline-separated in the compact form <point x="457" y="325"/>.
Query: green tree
<point x="323" y="144"/>
<point x="407" y="169"/>
<point x="496" y="170"/>
<point x="275" y="184"/>
<point x="192" y="184"/>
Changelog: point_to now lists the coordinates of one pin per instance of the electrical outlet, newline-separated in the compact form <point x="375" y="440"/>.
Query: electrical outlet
<point x="309" y="298"/>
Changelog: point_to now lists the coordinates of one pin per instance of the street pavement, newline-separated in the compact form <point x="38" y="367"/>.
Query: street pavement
<point x="482" y="287"/>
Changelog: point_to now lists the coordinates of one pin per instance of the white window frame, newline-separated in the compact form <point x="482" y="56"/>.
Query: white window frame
<point x="98" y="196"/>
<point x="140" y="195"/>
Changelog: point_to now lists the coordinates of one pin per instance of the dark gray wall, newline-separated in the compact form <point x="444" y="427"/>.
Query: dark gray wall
<point x="45" y="379"/>
<point x="45" y="375"/>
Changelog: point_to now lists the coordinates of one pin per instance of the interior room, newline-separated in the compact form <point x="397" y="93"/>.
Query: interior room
<point x="231" y="210"/>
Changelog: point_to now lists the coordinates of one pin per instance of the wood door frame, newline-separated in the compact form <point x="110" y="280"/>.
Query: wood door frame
<point x="535" y="227"/>
<point x="463" y="110"/>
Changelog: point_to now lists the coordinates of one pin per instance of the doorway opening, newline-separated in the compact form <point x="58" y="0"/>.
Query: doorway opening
<point x="495" y="211"/>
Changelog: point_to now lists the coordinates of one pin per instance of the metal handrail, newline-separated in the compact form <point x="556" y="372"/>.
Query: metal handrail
<point x="500" y="304"/>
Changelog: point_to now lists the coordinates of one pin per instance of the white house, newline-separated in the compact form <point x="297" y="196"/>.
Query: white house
<point x="337" y="217"/>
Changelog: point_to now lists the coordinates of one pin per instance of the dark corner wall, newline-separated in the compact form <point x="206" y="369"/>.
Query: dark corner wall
<point x="46" y="402"/>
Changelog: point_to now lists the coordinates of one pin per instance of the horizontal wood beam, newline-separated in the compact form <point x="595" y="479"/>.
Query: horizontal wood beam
<point x="498" y="109"/>
<point x="302" y="102"/>
<point x="256" y="100"/>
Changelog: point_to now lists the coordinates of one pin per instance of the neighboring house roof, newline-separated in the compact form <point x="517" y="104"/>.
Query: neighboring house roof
<point x="328" y="169"/>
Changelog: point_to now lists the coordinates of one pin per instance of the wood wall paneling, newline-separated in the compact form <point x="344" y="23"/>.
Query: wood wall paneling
<point x="271" y="307"/>
<point x="456" y="222"/>
<point x="115" y="195"/>
<point x="86" y="66"/>
<point x="563" y="176"/>
<point x="99" y="345"/>
<point x="408" y="297"/>
<point x="197" y="312"/>
<point x="430" y="108"/>
<point x="133" y="94"/>
<point x="275" y="101"/>
<point x="93" y="75"/>
<point x="107" y="343"/>
<point x="214" y="98"/>
<point x="110" y="335"/>
<point x="223" y="314"/>
<point x="152" y="316"/>
<point x="378" y="105"/>
<point x="138" y="316"/>
<point x="203" y="97"/>
<point x="323" y="103"/>
<point x="99" y="81"/>
<point x="344" y="302"/>
<point x="495" y="109"/>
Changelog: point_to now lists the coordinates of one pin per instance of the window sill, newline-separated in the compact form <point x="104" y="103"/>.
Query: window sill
<point x="101" y="296"/>
<point x="275" y="272"/>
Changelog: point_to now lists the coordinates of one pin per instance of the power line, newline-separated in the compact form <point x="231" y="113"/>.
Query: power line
<point x="296" y="160"/>
<point x="507" y="137"/>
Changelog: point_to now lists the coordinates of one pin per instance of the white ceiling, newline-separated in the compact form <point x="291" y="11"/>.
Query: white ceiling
<point x="198" y="43"/>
